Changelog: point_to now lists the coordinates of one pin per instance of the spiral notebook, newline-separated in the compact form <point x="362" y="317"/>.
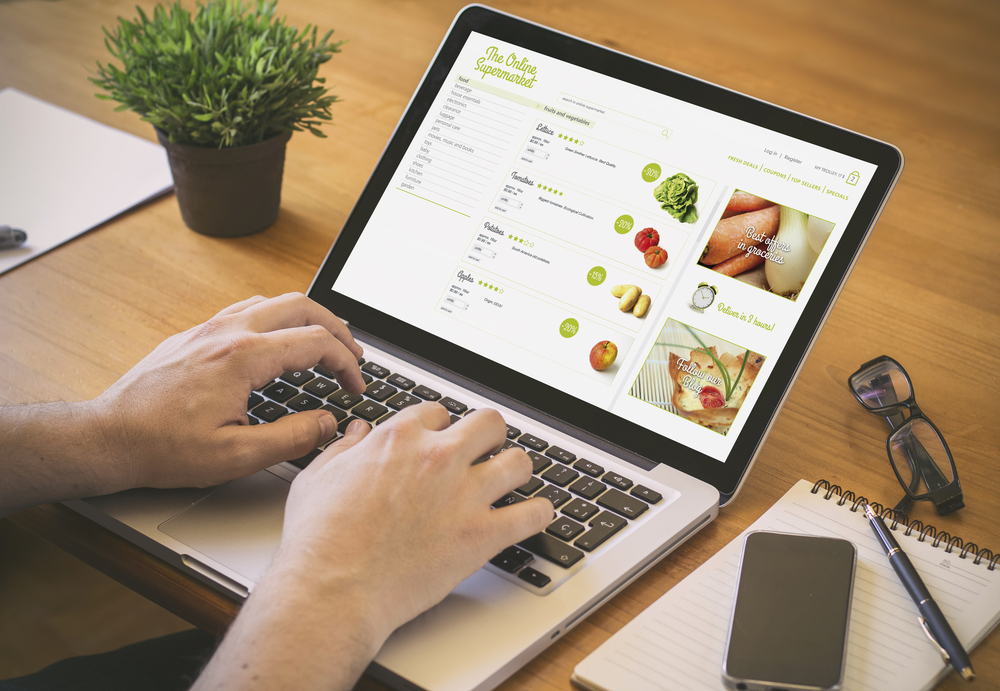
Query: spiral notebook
<point x="678" y="642"/>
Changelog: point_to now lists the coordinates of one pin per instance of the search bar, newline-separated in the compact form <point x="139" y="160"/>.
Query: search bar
<point x="616" y="116"/>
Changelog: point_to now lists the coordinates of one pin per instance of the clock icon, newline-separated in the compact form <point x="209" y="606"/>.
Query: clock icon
<point x="704" y="296"/>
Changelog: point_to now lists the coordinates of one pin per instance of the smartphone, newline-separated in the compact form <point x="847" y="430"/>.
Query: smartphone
<point x="790" y="618"/>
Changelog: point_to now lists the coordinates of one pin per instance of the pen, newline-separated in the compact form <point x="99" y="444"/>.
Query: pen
<point x="931" y="619"/>
<point x="11" y="237"/>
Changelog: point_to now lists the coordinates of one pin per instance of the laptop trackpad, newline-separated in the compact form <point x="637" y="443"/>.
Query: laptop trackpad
<point x="237" y="525"/>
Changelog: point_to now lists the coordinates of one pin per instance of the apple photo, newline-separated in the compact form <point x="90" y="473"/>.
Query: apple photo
<point x="697" y="376"/>
<point x="603" y="355"/>
<point x="765" y="245"/>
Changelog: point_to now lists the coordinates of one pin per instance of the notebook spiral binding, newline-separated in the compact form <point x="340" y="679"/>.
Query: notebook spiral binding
<point x="951" y="543"/>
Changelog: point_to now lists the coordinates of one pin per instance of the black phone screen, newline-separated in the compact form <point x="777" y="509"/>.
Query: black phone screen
<point x="791" y="612"/>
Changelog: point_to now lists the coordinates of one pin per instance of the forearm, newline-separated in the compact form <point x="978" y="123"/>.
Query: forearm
<point x="296" y="632"/>
<point x="54" y="451"/>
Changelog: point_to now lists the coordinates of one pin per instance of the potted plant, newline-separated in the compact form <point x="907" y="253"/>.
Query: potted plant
<point x="225" y="86"/>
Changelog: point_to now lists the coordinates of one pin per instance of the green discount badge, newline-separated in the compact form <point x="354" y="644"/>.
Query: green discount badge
<point x="624" y="224"/>
<point x="651" y="172"/>
<point x="569" y="327"/>
<point x="596" y="276"/>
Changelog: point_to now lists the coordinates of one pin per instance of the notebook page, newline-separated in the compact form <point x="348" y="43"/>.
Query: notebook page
<point x="678" y="642"/>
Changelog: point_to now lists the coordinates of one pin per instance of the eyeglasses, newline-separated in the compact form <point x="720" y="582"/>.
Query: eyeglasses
<point x="918" y="453"/>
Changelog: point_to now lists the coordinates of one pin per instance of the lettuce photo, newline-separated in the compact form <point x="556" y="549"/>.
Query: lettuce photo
<point x="677" y="196"/>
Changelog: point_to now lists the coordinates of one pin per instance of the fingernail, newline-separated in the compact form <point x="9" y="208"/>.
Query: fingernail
<point x="327" y="426"/>
<point x="357" y="426"/>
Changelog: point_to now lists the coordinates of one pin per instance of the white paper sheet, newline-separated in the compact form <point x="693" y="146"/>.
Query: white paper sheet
<point x="62" y="174"/>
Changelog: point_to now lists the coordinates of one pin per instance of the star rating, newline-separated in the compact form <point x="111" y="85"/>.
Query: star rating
<point x="570" y="139"/>
<point x="545" y="188"/>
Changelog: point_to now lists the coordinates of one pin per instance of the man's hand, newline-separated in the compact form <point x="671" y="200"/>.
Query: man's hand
<point x="379" y="528"/>
<point x="178" y="418"/>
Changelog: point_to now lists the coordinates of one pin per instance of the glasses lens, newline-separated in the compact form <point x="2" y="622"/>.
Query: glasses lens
<point x="881" y="385"/>
<point x="920" y="457"/>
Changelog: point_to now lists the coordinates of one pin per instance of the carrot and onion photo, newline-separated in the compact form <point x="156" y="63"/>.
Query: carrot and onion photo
<point x="765" y="244"/>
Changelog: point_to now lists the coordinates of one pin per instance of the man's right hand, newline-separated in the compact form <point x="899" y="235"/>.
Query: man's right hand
<point x="379" y="528"/>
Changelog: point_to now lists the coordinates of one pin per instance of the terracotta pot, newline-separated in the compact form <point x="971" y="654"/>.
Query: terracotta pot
<point x="228" y="192"/>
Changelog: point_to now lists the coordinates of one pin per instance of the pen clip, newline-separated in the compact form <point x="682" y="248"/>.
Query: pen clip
<point x="944" y="653"/>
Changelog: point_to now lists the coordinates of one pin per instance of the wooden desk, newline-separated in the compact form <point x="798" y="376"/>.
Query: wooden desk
<point x="924" y="77"/>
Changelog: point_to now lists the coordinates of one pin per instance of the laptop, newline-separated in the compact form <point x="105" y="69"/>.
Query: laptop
<point x="630" y="264"/>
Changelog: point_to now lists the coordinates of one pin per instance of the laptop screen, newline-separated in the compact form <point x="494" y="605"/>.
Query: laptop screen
<point x="636" y="252"/>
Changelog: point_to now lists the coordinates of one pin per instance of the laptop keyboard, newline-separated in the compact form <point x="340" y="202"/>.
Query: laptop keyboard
<point x="592" y="504"/>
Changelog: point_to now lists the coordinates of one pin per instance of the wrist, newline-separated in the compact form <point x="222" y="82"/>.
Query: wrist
<point x="56" y="451"/>
<point x="319" y="634"/>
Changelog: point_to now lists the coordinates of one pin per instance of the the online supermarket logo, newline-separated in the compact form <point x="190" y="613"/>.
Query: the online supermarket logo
<point x="507" y="67"/>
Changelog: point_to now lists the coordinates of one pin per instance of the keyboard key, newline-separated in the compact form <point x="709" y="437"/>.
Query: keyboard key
<point x="385" y="417"/>
<point x="538" y="462"/>
<point x="345" y="399"/>
<point x="304" y="402"/>
<point x="556" y="551"/>
<point x="580" y="509"/>
<point x="297" y="377"/>
<point x="453" y="406"/>
<point x="366" y="378"/>
<point x="323" y="372"/>
<point x="587" y="487"/>
<point x="401" y="382"/>
<point x="508" y="444"/>
<point x="513" y="432"/>
<point x="320" y="386"/>
<point x="307" y="459"/>
<point x="255" y="400"/>
<point x="530" y="487"/>
<point x="369" y="411"/>
<point x="591" y="469"/>
<point x="375" y="370"/>
<point x="280" y="392"/>
<point x="557" y="496"/>
<point x="511" y="559"/>
<point x="535" y="578"/>
<point x="252" y="420"/>
<point x="426" y="394"/>
<point x="380" y="391"/>
<point x="560" y="475"/>
<point x="402" y="400"/>
<point x="269" y="412"/>
<point x="617" y="480"/>
<point x="602" y="527"/>
<point x="561" y="455"/>
<point x="337" y="412"/>
<point x="533" y="442"/>
<point x="454" y="418"/>
<point x="564" y="529"/>
<point x="646" y="493"/>
<point x="507" y="500"/>
<point x="619" y="502"/>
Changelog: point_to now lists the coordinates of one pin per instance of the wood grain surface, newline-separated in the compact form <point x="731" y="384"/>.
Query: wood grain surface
<point x="921" y="74"/>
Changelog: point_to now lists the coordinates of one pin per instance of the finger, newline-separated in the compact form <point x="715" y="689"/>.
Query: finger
<point x="297" y="348"/>
<point x="355" y="432"/>
<point x="501" y="474"/>
<point x="295" y="309"/>
<point x="511" y="524"/>
<point x="290" y="437"/>
<point x="242" y="305"/>
<point x="480" y="432"/>
<point x="430" y="415"/>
